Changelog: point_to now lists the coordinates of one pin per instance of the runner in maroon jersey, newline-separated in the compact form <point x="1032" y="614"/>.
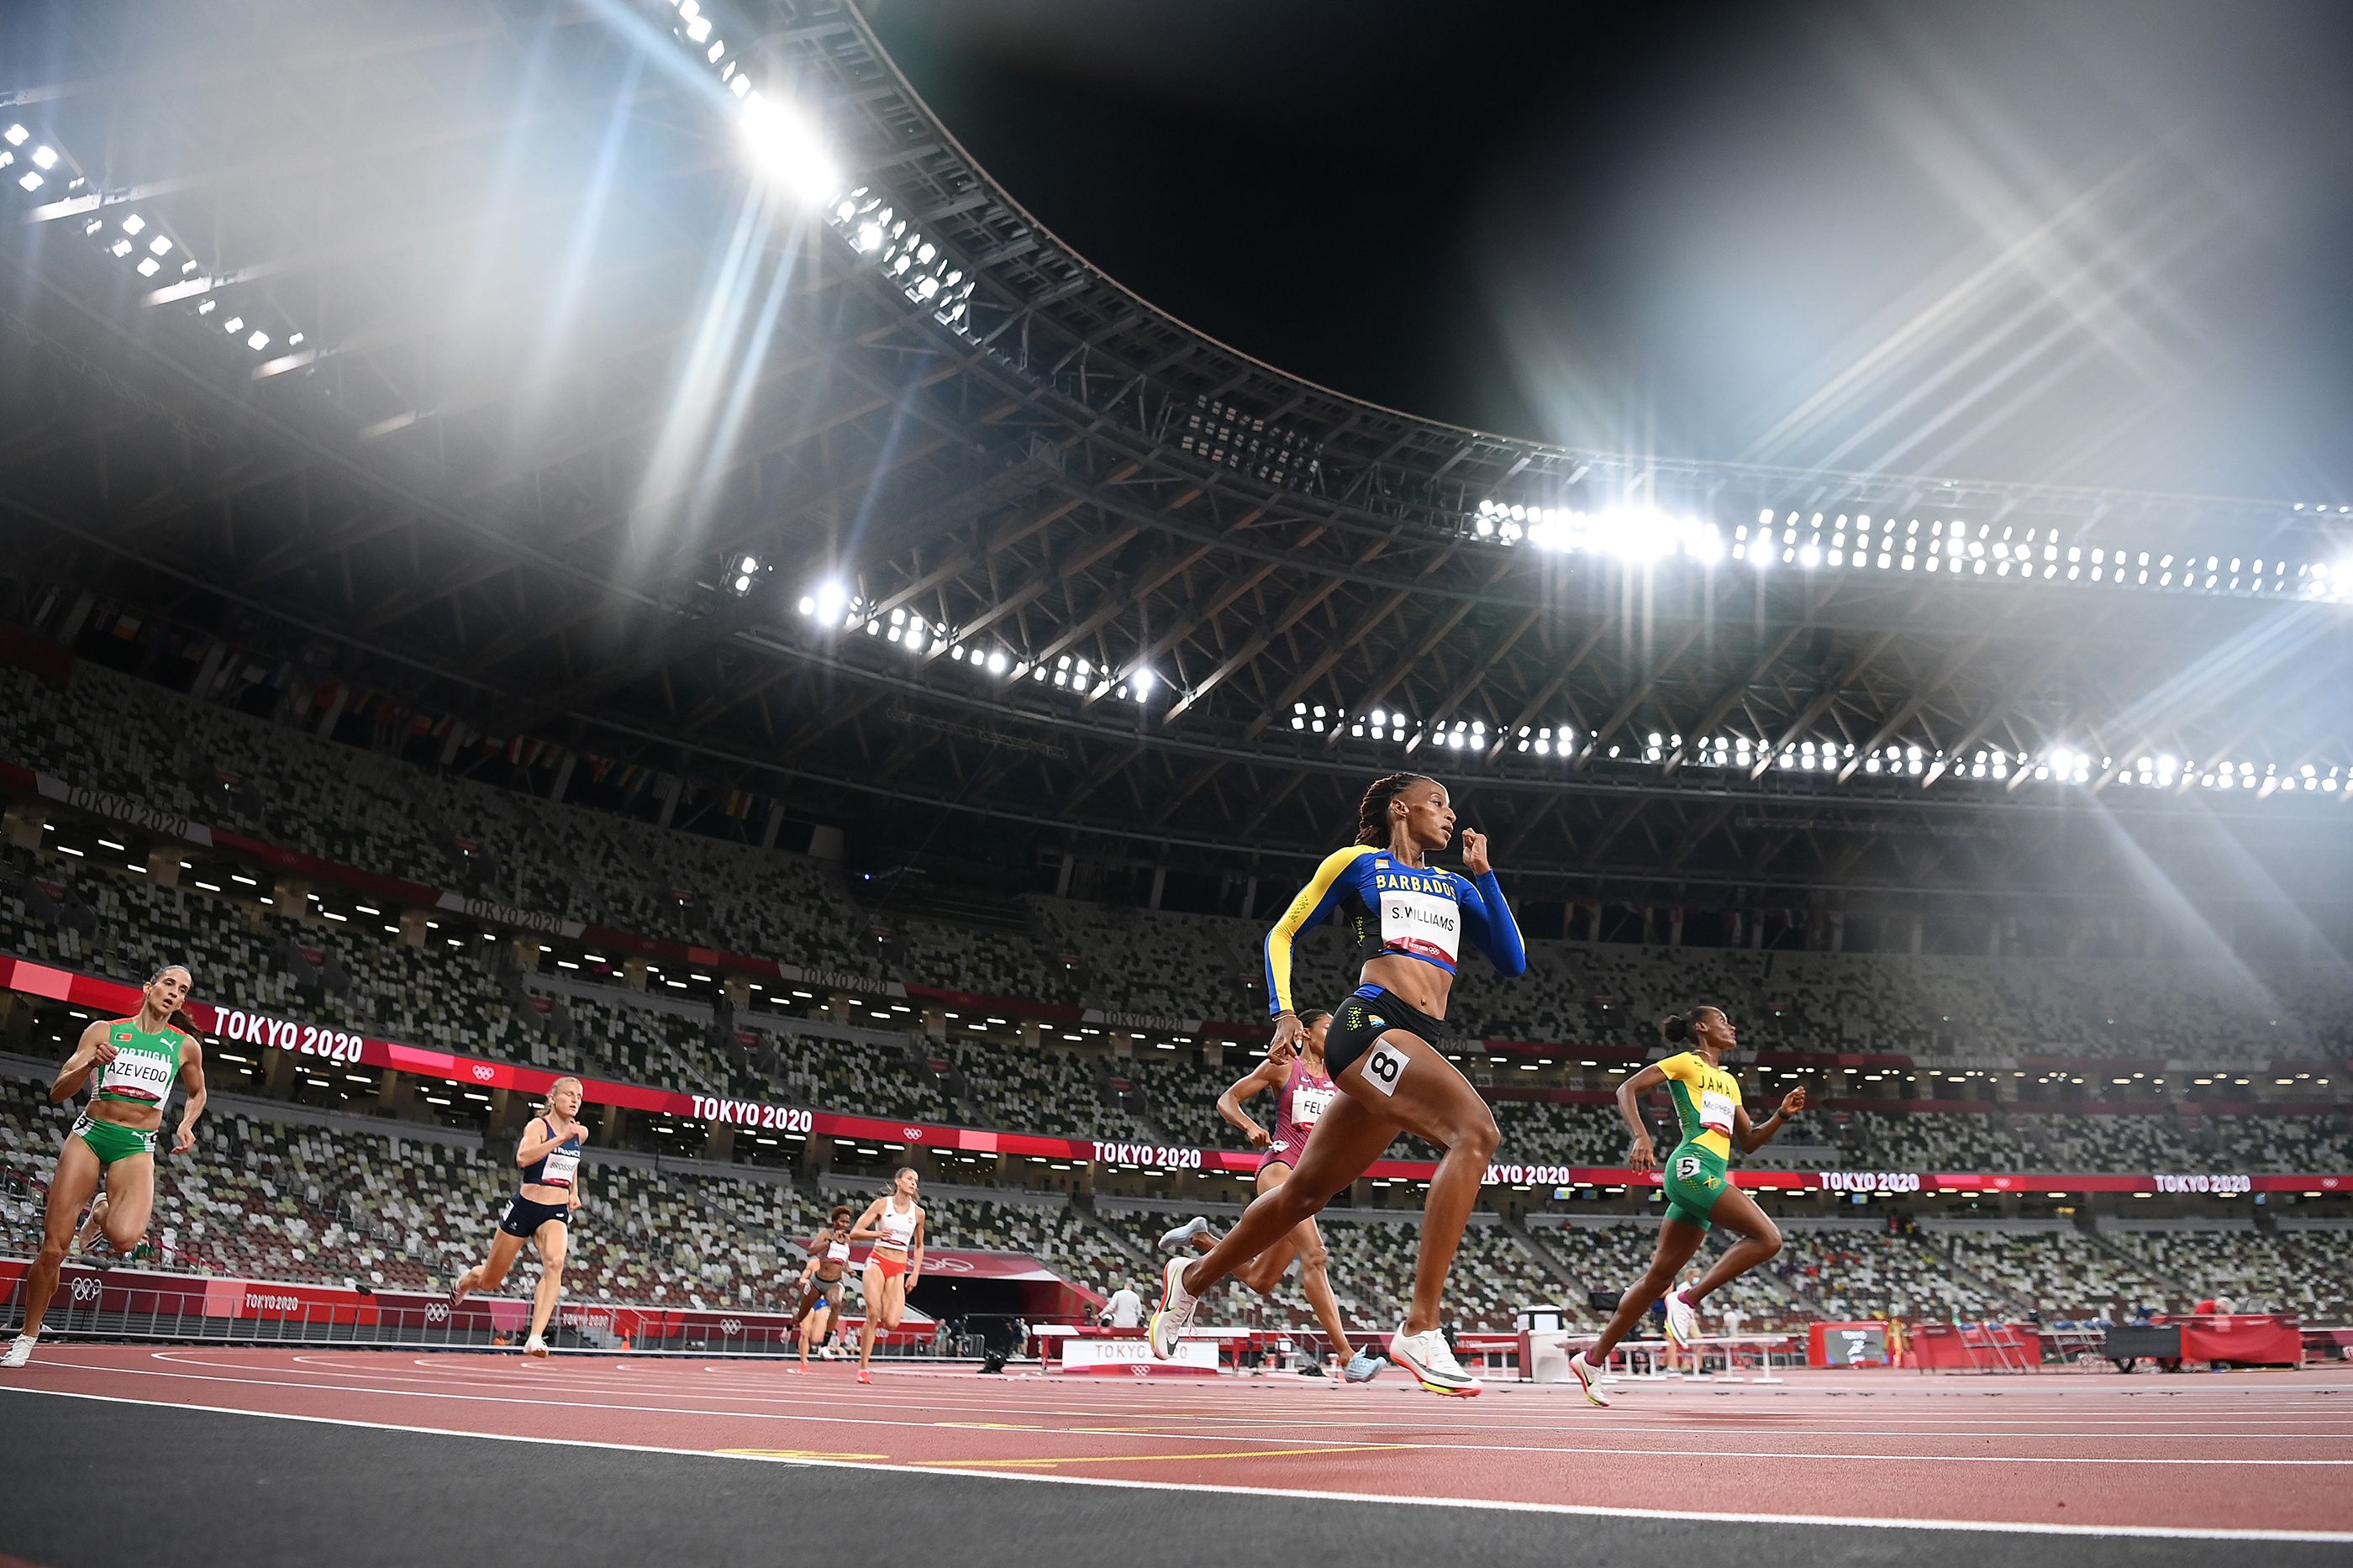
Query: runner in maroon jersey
<point x="1302" y="1089"/>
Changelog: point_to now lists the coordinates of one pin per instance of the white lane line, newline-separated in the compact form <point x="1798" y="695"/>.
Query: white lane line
<point x="1586" y="1510"/>
<point x="2018" y="1398"/>
<point x="1416" y="1429"/>
<point x="1805" y="1456"/>
<point x="829" y="1394"/>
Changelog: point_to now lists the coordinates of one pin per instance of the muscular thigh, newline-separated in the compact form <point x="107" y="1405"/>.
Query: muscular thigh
<point x="1406" y="1081"/>
<point x="131" y="1184"/>
<point x="1349" y="1136"/>
<point x="73" y="1183"/>
<point x="1736" y="1212"/>
<point x="1269" y="1178"/>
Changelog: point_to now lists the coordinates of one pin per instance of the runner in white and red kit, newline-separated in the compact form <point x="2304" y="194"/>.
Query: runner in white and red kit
<point x="1303" y="1090"/>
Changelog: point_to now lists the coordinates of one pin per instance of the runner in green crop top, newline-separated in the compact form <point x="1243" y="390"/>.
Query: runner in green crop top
<point x="134" y="1062"/>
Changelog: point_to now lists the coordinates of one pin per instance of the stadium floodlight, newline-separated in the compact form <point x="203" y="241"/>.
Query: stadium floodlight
<point x="160" y="245"/>
<point x="742" y="584"/>
<point x="828" y="600"/>
<point x="697" y="30"/>
<point x="149" y="266"/>
<point x="790" y="149"/>
<point x="44" y="157"/>
<point x="207" y="306"/>
<point x="996" y="661"/>
<point x="751" y="563"/>
<point x="1143" y="678"/>
<point x="259" y="341"/>
<point x="234" y="325"/>
<point x="120" y="248"/>
<point x="30" y="181"/>
<point x="16" y="136"/>
<point x="134" y="225"/>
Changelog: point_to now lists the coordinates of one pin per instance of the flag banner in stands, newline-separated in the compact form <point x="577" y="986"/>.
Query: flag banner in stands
<point x="514" y="915"/>
<point x="126" y="809"/>
<point x="779" y="1122"/>
<point x="1145" y="1023"/>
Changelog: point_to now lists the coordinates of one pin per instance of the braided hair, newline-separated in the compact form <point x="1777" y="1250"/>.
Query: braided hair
<point x="1373" y="813"/>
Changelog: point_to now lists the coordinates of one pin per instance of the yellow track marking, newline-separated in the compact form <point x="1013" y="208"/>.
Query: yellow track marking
<point x="793" y="1454"/>
<point x="992" y="1426"/>
<point x="1197" y="1457"/>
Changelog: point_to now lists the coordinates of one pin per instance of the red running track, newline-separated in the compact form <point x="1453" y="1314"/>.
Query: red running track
<point x="2249" y="1452"/>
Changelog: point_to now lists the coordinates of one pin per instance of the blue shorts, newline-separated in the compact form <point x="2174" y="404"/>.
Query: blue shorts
<point x="523" y="1217"/>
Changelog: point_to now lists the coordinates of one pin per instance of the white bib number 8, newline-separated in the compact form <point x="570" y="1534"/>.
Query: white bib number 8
<point x="1384" y="1066"/>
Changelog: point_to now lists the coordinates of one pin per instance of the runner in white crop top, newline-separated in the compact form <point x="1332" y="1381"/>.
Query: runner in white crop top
<point x="894" y="1223"/>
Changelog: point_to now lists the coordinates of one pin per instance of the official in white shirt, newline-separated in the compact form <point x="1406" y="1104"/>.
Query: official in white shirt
<point x="1125" y="1310"/>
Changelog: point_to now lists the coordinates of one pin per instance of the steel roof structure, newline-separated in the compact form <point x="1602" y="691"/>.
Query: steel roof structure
<point x="1025" y="550"/>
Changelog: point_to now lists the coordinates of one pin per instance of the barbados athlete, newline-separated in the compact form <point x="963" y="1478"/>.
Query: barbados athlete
<point x="541" y="1212"/>
<point x="137" y="1060"/>
<point x="1699" y="1189"/>
<point x="1302" y="1089"/>
<point x="1409" y="920"/>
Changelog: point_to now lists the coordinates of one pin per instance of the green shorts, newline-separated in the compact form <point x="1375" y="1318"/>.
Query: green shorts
<point x="111" y="1143"/>
<point x="1694" y="1179"/>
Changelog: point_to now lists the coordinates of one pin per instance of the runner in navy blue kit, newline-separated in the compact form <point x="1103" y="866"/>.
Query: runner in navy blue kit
<point x="1303" y="1090"/>
<point x="541" y="1212"/>
<point x="1408" y="920"/>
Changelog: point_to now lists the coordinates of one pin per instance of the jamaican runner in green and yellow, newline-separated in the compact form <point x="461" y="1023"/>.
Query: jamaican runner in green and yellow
<point x="130" y="1065"/>
<point x="1697" y="1182"/>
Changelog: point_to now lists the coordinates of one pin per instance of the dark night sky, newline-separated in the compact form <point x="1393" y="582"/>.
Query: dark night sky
<point x="2107" y="244"/>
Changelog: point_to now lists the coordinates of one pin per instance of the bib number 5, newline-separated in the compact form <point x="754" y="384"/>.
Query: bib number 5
<point x="1687" y="1168"/>
<point x="1384" y="1066"/>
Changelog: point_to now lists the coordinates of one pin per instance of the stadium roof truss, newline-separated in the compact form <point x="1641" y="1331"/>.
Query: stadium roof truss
<point x="894" y="494"/>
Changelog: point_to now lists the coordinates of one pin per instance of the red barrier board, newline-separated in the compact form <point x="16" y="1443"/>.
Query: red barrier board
<point x="1975" y="1347"/>
<point x="2248" y="1339"/>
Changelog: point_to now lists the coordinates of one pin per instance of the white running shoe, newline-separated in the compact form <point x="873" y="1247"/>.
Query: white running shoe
<point x="1682" y="1320"/>
<point x="1589" y="1378"/>
<point x="535" y="1346"/>
<point x="1176" y="1312"/>
<point x="20" y="1350"/>
<point x="1365" y="1365"/>
<point x="1181" y="1240"/>
<point x="1426" y="1356"/>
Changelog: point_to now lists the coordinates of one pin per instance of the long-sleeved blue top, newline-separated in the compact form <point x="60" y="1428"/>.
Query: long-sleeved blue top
<point x="1418" y="912"/>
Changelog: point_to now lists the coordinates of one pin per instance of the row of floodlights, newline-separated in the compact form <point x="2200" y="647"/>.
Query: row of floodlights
<point x="835" y="608"/>
<point x="132" y="238"/>
<point x="1943" y="547"/>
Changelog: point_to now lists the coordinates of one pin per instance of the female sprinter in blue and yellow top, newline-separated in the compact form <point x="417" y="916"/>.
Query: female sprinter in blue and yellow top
<point x="1409" y="920"/>
<point x="1699" y="1191"/>
<point x="136" y="1061"/>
